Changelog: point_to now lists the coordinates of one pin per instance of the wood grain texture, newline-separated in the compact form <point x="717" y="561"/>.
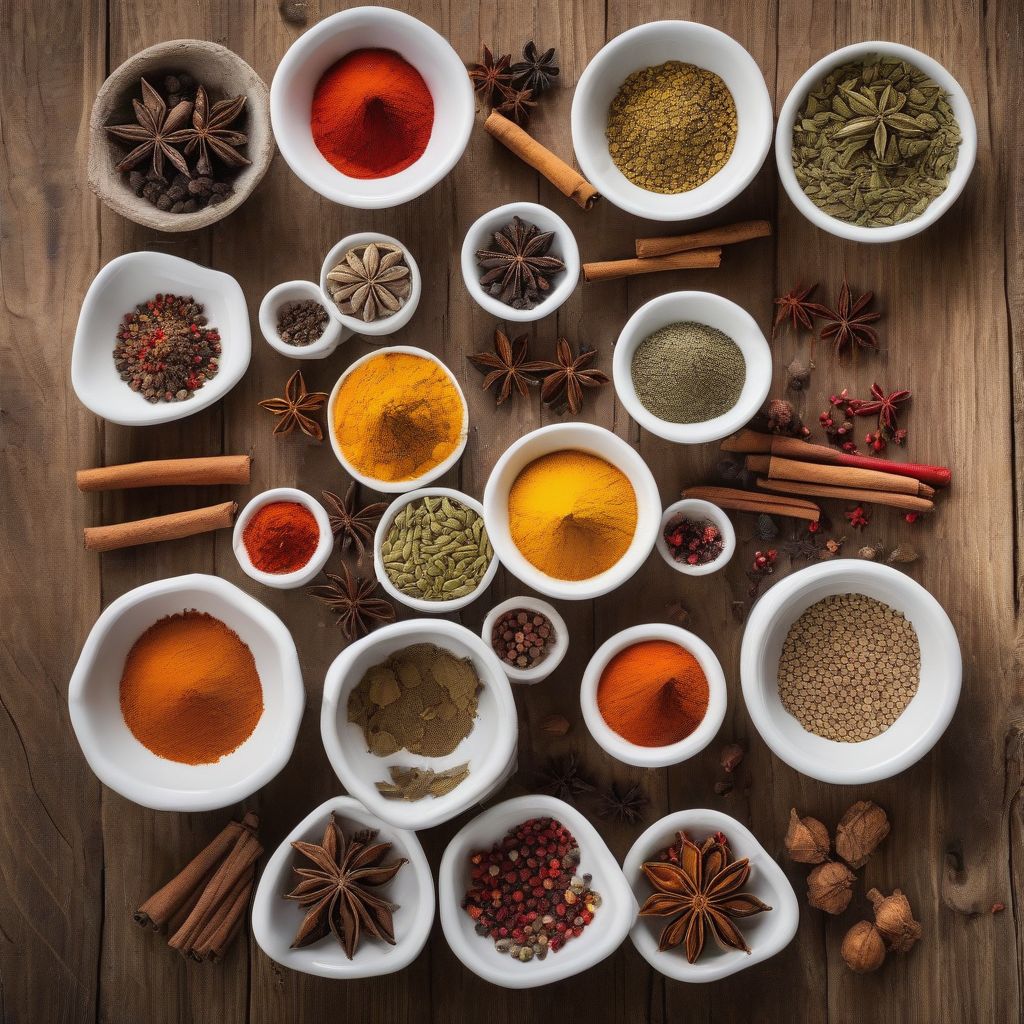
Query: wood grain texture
<point x="75" y="859"/>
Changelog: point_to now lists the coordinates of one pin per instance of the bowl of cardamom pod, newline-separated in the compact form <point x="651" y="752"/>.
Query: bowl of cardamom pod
<point x="875" y="142"/>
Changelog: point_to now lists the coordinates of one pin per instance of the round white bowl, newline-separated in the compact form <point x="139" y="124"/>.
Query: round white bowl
<point x="600" y="938"/>
<point x="121" y="762"/>
<point x="322" y="46"/>
<point x="698" y="509"/>
<point x="398" y="486"/>
<point x="912" y="735"/>
<point x="275" y="920"/>
<point x="702" y="308"/>
<point x="766" y="934"/>
<point x="284" y="580"/>
<point x="582" y="437"/>
<point x="381" y="533"/>
<point x="480" y="236"/>
<point x="957" y="180"/>
<point x="299" y="291"/>
<point x="654" y="757"/>
<point x="117" y="289"/>
<point x="539" y="672"/>
<point x="490" y="748"/>
<point x="648" y="46"/>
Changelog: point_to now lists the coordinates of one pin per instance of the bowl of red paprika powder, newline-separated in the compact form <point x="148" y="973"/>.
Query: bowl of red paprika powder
<point x="371" y="107"/>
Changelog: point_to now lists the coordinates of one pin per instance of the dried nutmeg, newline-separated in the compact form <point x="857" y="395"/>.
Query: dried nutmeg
<point x="807" y="840"/>
<point x="830" y="887"/>
<point x="863" y="948"/>
<point x="859" y="832"/>
<point x="555" y="725"/>
<point x="895" y="920"/>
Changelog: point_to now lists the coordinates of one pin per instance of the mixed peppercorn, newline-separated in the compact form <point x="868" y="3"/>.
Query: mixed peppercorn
<point x="693" y="542"/>
<point x="522" y="637"/>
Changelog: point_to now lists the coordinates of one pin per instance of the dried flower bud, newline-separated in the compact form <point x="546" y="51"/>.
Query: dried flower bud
<point x="731" y="757"/>
<point x="895" y="920"/>
<point x="799" y="375"/>
<point x="555" y="725"/>
<point x="903" y="554"/>
<point x="781" y="416"/>
<point x="830" y="887"/>
<point x="860" y="831"/>
<point x="807" y="840"/>
<point x="863" y="949"/>
<point x="868" y="552"/>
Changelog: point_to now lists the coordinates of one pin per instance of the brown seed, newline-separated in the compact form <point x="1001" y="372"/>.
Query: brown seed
<point x="830" y="887"/>
<point x="863" y="948"/>
<point x="807" y="840"/>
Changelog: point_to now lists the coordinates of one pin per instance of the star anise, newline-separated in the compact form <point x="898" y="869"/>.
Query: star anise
<point x="874" y="116"/>
<point x="848" y="326"/>
<point x="701" y="894"/>
<point x="491" y="76"/>
<point x="293" y="408"/>
<point x="339" y="889"/>
<point x="795" y="307"/>
<point x="625" y="806"/>
<point x="517" y="105"/>
<point x="518" y="268"/>
<point x="371" y="282"/>
<point x="352" y="527"/>
<point x="885" y="405"/>
<point x="153" y="131"/>
<point x="211" y="132"/>
<point x="504" y="366"/>
<point x="565" y="379"/>
<point x="536" y="71"/>
<point x="562" y="777"/>
<point x="351" y="599"/>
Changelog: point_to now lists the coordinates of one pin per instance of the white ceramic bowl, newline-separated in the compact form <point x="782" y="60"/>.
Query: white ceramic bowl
<point x="766" y="934"/>
<point x="702" y="308"/>
<point x="481" y="236"/>
<point x="322" y="46"/>
<point x="284" y="580"/>
<point x="647" y="46"/>
<point x="957" y="180"/>
<point x="698" y="509"/>
<point x="912" y="735"/>
<point x="597" y="441"/>
<point x="539" y="672"/>
<point x="398" y="486"/>
<point x="654" y="757"/>
<point x="612" y="920"/>
<point x="490" y="747"/>
<point x="117" y="289"/>
<point x="275" y="920"/>
<point x="381" y="533"/>
<point x="121" y="762"/>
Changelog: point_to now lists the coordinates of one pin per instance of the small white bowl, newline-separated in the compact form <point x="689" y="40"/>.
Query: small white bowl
<point x="381" y="534"/>
<point x="597" y="441"/>
<point x="648" y="46"/>
<point x="121" y="762"/>
<point x="539" y="672"/>
<point x="957" y="180"/>
<point x="398" y="486"/>
<point x="766" y="934"/>
<point x="322" y="46"/>
<point x="654" y="757"/>
<point x="117" y="289"/>
<point x="275" y="920"/>
<point x="284" y="580"/>
<point x="912" y="735"/>
<point x="480" y="236"/>
<point x="698" y="509"/>
<point x="612" y="920"/>
<point x="490" y="747"/>
<point x="702" y="308"/>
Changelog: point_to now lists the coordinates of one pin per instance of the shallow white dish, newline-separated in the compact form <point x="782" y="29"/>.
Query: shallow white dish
<point x="490" y="747"/>
<point x="957" y="180"/>
<point x="612" y="920"/>
<point x="539" y="672"/>
<point x="648" y="46"/>
<point x="654" y="757"/>
<point x="275" y="920"/>
<point x="322" y="46"/>
<point x="121" y="762"/>
<point x="697" y="509"/>
<point x="597" y="441"/>
<point x="912" y="735"/>
<point x="702" y="308"/>
<point x="117" y="289"/>
<point x="766" y="934"/>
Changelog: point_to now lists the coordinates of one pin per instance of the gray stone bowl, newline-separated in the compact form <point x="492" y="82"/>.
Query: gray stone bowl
<point x="224" y="74"/>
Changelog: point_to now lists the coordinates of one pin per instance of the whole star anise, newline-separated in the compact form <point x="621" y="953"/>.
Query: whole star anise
<point x="154" y="131"/>
<point x="563" y="777"/>
<point x="517" y="105"/>
<point x="211" y="133"/>
<point x="848" y="326"/>
<point x="371" y="282"/>
<point x="351" y="599"/>
<point x="352" y="527"/>
<point x="294" y="406"/>
<point x="623" y="805"/>
<point x="566" y="377"/>
<point x="504" y="366"/>
<point x="795" y="307"/>
<point x="518" y="268"/>
<point x="886" y="406"/>
<point x="536" y="71"/>
<point x="491" y="76"/>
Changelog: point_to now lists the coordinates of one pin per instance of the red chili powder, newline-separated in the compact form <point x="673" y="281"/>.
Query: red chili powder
<point x="281" y="537"/>
<point x="372" y="114"/>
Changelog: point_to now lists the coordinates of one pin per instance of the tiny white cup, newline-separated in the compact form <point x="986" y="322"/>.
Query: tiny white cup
<point x="539" y="672"/>
<point x="698" y="509"/>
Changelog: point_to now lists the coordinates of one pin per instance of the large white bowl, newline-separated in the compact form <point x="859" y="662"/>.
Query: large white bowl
<point x="766" y="934"/>
<point x="489" y="748"/>
<point x="600" y="938"/>
<point x="649" y="45"/>
<point x="275" y="920"/>
<point x="597" y="441"/>
<point x="702" y="308"/>
<point x="322" y="46"/>
<point x="117" y="289"/>
<point x="957" y="180"/>
<point x="912" y="735"/>
<point x="121" y="762"/>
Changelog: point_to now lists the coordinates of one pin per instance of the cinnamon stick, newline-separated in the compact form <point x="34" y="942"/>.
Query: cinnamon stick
<point x="567" y="180"/>
<point x="727" y="234"/>
<point x="836" y="476"/>
<point x="611" y="270"/>
<point x="171" y="527"/>
<point x="221" y="923"/>
<point x="907" y="502"/>
<point x="218" y="469"/>
<point x="750" y="501"/>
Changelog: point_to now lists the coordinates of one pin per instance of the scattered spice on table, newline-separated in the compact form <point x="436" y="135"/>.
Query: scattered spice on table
<point x="413" y="784"/>
<point x="623" y="804"/>
<point x="295" y="407"/>
<point x="281" y="537"/>
<point x="848" y="327"/>
<point x="301" y="322"/>
<point x="863" y="950"/>
<point x="566" y="376"/>
<point x="564" y="778"/>
<point x="371" y="282"/>
<point x="517" y="106"/>
<point x="519" y="268"/>
<point x="513" y="89"/>
<point x="505" y="367"/>
<point x="796" y="307"/>
<point x="353" y="527"/>
<point x="492" y="76"/>
<point x="354" y="600"/>
<point x="693" y="541"/>
<point x="523" y="637"/>
<point x="537" y="70"/>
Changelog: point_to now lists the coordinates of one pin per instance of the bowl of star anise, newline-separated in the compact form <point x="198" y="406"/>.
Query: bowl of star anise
<point x="179" y="135"/>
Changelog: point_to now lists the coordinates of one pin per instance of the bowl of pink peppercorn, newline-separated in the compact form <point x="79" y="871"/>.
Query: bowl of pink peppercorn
<point x="696" y="537"/>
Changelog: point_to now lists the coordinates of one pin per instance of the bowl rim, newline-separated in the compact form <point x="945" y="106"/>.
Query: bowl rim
<point x="709" y="510"/>
<point x="554" y="658"/>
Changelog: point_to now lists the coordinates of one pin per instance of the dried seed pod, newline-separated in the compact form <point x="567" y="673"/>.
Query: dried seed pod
<point x="859" y="832"/>
<point x="830" y="887"/>
<point x="555" y="725"/>
<point x="895" y="920"/>
<point x="799" y="375"/>
<point x="904" y="554"/>
<point x="731" y="757"/>
<point x="863" y="948"/>
<point x="867" y="552"/>
<point x="807" y="840"/>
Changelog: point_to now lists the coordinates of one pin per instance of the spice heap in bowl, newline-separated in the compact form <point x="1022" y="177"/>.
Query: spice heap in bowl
<point x="529" y="636"/>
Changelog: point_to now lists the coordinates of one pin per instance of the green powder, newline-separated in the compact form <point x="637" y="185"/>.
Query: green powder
<point x="688" y="373"/>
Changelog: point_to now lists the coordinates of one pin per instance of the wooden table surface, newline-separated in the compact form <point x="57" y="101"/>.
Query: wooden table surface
<point x="75" y="858"/>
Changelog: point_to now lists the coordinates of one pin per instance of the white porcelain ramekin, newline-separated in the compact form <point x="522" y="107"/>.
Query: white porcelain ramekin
<point x="539" y="672"/>
<point x="697" y="509"/>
